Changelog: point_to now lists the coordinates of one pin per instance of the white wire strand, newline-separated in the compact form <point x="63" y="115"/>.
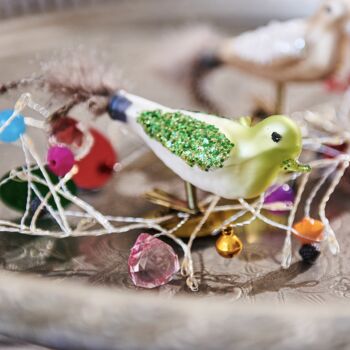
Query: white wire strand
<point x="316" y="188"/>
<point x="90" y="217"/>
<point x="330" y="234"/>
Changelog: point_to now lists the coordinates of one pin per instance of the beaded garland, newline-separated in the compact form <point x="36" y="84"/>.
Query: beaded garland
<point x="194" y="141"/>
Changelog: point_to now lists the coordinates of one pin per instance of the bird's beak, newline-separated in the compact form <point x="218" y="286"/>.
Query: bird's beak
<point x="292" y="165"/>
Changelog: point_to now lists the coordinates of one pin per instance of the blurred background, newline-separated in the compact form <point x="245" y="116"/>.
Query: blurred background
<point x="236" y="8"/>
<point x="130" y="33"/>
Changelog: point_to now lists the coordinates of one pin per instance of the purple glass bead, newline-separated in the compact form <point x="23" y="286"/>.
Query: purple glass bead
<point x="276" y="193"/>
<point x="152" y="262"/>
<point x="60" y="160"/>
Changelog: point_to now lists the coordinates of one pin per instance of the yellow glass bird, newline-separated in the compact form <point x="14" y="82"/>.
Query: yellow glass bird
<point x="228" y="158"/>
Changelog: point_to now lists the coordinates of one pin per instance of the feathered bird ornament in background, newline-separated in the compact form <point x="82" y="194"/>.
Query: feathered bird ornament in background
<point x="298" y="50"/>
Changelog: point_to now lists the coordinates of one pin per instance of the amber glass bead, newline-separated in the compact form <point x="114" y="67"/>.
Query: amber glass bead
<point x="310" y="229"/>
<point x="228" y="245"/>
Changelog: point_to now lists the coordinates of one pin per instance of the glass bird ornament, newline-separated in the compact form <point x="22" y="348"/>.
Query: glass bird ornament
<point x="231" y="159"/>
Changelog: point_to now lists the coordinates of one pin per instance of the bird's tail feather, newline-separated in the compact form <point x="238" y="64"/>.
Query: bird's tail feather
<point x="82" y="72"/>
<point x="81" y="76"/>
<point x="75" y="76"/>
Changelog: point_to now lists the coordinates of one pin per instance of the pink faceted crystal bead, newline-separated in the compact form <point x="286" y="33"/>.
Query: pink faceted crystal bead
<point x="60" y="160"/>
<point x="152" y="262"/>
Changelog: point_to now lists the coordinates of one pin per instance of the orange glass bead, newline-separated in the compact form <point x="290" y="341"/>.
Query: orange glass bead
<point x="310" y="229"/>
<point x="228" y="244"/>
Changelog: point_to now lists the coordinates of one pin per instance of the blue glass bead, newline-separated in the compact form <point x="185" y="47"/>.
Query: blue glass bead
<point x="13" y="131"/>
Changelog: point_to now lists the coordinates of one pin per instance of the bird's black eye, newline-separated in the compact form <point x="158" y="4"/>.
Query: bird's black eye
<point x="276" y="137"/>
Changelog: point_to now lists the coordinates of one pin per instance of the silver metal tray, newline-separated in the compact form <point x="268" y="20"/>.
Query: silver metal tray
<point x="76" y="293"/>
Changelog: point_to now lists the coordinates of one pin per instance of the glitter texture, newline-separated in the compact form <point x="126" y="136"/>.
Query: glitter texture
<point x="293" y="165"/>
<point x="194" y="141"/>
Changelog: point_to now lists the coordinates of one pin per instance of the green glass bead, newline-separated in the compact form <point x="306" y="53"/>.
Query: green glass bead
<point x="13" y="193"/>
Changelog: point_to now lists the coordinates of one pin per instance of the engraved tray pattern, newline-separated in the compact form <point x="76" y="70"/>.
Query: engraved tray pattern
<point x="126" y="31"/>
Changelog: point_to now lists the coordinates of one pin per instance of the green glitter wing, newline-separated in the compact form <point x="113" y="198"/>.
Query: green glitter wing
<point x="194" y="141"/>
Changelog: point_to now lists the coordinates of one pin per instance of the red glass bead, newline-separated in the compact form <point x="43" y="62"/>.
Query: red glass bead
<point x="342" y="148"/>
<point x="333" y="84"/>
<point x="65" y="130"/>
<point x="96" y="169"/>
